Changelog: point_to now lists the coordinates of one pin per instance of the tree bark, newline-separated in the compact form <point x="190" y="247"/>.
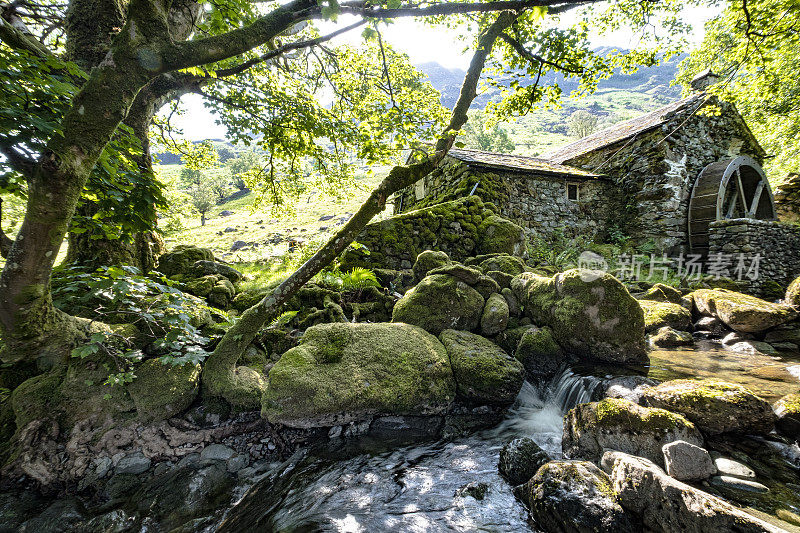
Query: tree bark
<point x="243" y="386"/>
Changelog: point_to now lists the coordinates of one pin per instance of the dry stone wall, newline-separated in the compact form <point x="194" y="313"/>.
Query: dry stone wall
<point x="536" y="202"/>
<point x="776" y="245"/>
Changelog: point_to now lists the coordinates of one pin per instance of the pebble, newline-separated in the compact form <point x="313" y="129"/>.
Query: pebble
<point x="730" y="482"/>
<point x="729" y="467"/>
<point x="132" y="464"/>
<point x="216" y="452"/>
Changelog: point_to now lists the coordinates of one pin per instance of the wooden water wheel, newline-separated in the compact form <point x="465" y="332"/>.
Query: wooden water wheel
<point x="734" y="188"/>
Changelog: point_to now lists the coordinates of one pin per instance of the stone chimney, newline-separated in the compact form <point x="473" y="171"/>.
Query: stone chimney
<point x="704" y="80"/>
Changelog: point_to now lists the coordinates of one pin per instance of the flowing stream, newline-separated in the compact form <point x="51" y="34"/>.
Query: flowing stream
<point x="360" y="487"/>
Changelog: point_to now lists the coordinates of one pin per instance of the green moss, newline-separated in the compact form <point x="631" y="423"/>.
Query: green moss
<point x="162" y="391"/>
<point x="36" y="398"/>
<point x="180" y="260"/>
<point x="614" y="412"/>
<point x="383" y="369"/>
<point x="660" y="314"/>
<point x="440" y="302"/>
<point x="791" y="403"/>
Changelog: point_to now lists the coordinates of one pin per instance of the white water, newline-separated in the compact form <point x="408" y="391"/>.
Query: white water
<point x="414" y="488"/>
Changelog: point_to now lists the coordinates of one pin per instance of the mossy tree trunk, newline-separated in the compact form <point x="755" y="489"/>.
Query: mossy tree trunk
<point x="243" y="386"/>
<point x="142" y="50"/>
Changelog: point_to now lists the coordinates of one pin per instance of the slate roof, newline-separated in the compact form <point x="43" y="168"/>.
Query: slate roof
<point x="623" y="130"/>
<point x="517" y="163"/>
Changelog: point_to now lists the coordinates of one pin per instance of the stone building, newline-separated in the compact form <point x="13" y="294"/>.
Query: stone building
<point x="683" y="179"/>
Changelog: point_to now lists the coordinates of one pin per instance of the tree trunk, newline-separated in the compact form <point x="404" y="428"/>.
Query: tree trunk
<point x="202" y="219"/>
<point x="243" y="386"/>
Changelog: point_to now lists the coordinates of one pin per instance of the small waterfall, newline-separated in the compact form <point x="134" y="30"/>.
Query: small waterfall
<point x="570" y="389"/>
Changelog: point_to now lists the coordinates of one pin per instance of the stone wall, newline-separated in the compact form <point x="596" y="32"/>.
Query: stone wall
<point x="461" y="228"/>
<point x="655" y="172"/>
<point x="536" y="202"/>
<point x="778" y="245"/>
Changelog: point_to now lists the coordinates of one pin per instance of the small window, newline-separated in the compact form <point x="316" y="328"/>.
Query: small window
<point x="572" y="192"/>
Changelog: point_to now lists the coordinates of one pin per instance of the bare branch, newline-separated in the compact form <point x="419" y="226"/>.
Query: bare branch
<point x="536" y="58"/>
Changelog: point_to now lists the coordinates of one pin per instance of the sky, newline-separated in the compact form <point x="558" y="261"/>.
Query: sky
<point x="422" y="45"/>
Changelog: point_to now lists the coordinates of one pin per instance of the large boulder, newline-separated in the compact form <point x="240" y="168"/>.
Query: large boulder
<point x="666" y="504"/>
<point x="787" y="411"/>
<point x="622" y="425"/>
<point x="741" y="312"/>
<point x="499" y="235"/>
<point x="180" y="261"/>
<point x="575" y="496"/>
<point x="660" y="314"/>
<point x="714" y="406"/>
<point x="666" y="337"/>
<point x="539" y="353"/>
<point x="494" y="318"/>
<point x="685" y="461"/>
<point x="440" y="302"/>
<point x="792" y="296"/>
<point x="590" y="313"/>
<point x="662" y="293"/>
<point x="507" y="264"/>
<point x="427" y="261"/>
<point x="205" y="268"/>
<point x="484" y="373"/>
<point x="520" y="459"/>
<point x="343" y="372"/>
<point x="162" y="391"/>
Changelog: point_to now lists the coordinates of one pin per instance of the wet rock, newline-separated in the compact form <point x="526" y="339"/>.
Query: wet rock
<point x="741" y="312"/>
<point x="660" y="314"/>
<point x="629" y="388"/>
<point x="520" y="459"/>
<point x="343" y="372"/>
<point x="61" y="515"/>
<point x="787" y="411"/>
<point x="475" y="489"/>
<point x="440" y="302"/>
<point x="686" y="462"/>
<point x="591" y="314"/>
<point x="539" y="353"/>
<point x="495" y="315"/>
<point x="575" y="496"/>
<point x="714" y="406"/>
<point x="663" y="293"/>
<point x="135" y="463"/>
<point x="680" y="507"/>
<point x="427" y="261"/>
<point x="483" y="372"/>
<point x="735" y="483"/>
<point x="216" y="452"/>
<point x="237" y="462"/>
<point x="667" y="337"/>
<point x="711" y="324"/>
<point x="622" y="425"/>
<point x="161" y="391"/>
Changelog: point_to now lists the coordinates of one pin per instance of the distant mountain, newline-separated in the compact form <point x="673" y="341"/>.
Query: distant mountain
<point x="654" y="81"/>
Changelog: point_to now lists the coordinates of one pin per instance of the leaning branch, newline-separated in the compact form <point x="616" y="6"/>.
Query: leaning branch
<point x="19" y="40"/>
<point x="243" y="386"/>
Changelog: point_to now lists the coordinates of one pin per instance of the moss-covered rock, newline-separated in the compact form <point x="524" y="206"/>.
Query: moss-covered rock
<point x="590" y="313"/>
<point x="500" y="236"/>
<point x="162" y="391"/>
<point x="575" y="497"/>
<point x="787" y="411"/>
<point x="660" y="314"/>
<point x="342" y="373"/>
<point x="539" y="353"/>
<point x="714" y="406"/>
<point x="205" y="268"/>
<point x="792" y="296"/>
<point x="619" y="424"/>
<point x="181" y="259"/>
<point x="495" y="315"/>
<point x="741" y="312"/>
<point x="440" y="302"/>
<point x="663" y="293"/>
<point x="486" y="286"/>
<point x="427" y="261"/>
<point x="666" y="337"/>
<point x="484" y="373"/>
<point x="35" y="398"/>
<point x="520" y="459"/>
<point x="201" y="286"/>
<point x="222" y="293"/>
<point x="505" y="263"/>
